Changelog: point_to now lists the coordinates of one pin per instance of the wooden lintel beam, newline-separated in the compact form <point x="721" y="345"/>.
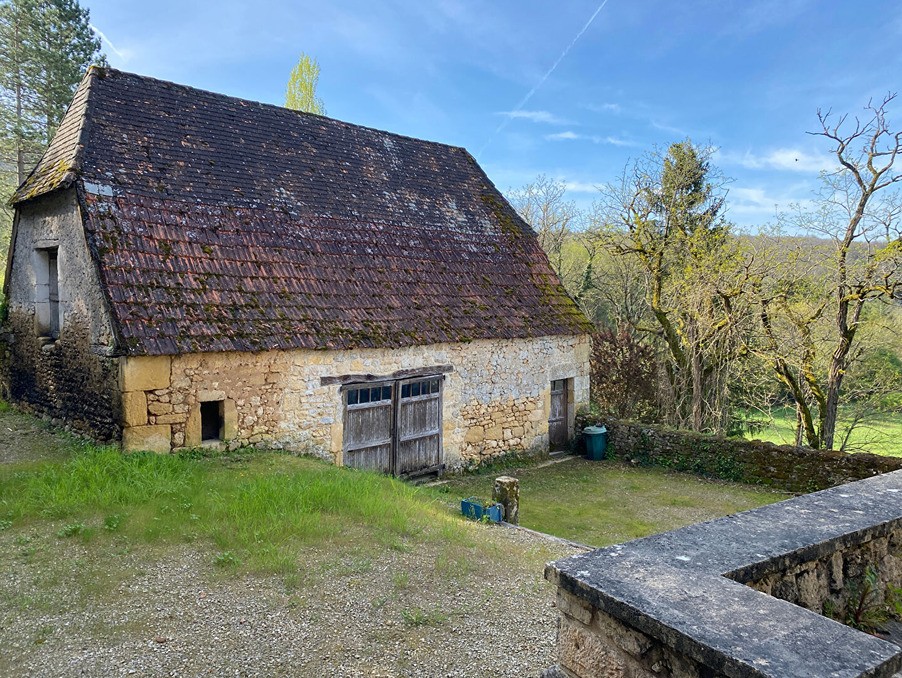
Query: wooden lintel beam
<point x="348" y="379"/>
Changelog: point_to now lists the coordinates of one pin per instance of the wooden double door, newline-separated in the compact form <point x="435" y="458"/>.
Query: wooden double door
<point x="394" y="426"/>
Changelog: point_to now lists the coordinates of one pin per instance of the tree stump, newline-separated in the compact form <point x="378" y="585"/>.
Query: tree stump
<point x="506" y="491"/>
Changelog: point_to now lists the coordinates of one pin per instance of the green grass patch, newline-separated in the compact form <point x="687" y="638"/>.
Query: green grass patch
<point x="257" y="511"/>
<point x="416" y="616"/>
<point x="878" y="434"/>
<point x="603" y="503"/>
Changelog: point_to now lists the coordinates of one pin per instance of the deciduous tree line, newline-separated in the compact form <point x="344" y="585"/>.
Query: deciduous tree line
<point x="701" y="324"/>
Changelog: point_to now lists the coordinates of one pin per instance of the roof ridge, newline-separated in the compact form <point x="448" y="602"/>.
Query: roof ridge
<point x="264" y="104"/>
<point x="43" y="178"/>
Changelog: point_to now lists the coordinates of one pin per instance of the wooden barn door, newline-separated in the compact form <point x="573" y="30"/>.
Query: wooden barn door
<point x="394" y="427"/>
<point x="368" y="432"/>
<point x="558" y="418"/>
<point x="419" y="444"/>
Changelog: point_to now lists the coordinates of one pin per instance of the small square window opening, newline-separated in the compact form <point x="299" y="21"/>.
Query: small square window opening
<point x="212" y="421"/>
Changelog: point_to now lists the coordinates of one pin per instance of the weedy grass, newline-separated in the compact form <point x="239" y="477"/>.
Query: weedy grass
<point x="257" y="510"/>
<point x="603" y="503"/>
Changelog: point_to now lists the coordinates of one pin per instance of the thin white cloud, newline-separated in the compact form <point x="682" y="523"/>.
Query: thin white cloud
<point x="124" y="55"/>
<point x="562" y="136"/>
<point x="786" y="159"/>
<point x="613" y="141"/>
<point x="756" y="202"/>
<point x="535" y="116"/>
<point x="670" y="129"/>
<point x="604" y="108"/>
<point x="569" y="135"/>
<point x="581" y="187"/>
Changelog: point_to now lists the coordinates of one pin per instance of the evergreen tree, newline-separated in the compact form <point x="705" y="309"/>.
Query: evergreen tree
<point x="665" y="215"/>
<point x="301" y="92"/>
<point x="45" y="48"/>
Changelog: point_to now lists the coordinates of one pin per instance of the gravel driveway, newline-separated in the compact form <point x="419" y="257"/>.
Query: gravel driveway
<point x="70" y="609"/>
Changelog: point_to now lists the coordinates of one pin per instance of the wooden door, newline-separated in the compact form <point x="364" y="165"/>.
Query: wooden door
<point x="395" y="426"/>
<point x="558" y="417"/>
<point x="368" y="429"/>
<point x="419" y="430"/>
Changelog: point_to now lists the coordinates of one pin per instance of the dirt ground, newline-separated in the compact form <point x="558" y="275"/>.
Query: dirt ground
<point x="27" y="438"/>
<point x="69" y="609"/>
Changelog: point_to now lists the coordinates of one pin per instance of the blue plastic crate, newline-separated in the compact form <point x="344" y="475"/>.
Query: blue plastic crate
<point x="472" y="508"/>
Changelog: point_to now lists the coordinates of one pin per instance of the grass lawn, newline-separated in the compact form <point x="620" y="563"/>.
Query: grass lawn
<point x="215" y="557"/>
<point x="603" y="503"/>
<point x="187" y="565"/>
<point x="879" y="434"/>
<point x="256" y="511"/>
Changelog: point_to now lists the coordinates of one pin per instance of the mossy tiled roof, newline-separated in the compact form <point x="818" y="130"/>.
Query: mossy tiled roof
<point x="221" y="224"/>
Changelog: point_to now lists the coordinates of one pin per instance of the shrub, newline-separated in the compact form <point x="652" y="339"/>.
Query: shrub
<point x="623" y="376"/>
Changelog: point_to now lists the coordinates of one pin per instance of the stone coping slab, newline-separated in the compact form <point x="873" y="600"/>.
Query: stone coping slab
<point x="686" y="587"/>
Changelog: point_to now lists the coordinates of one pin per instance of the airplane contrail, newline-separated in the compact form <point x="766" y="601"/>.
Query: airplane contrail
<point x="541" y="82"/>
<point x="103" y="37"/>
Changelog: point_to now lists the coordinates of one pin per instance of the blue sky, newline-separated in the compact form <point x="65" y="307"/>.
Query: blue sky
<point x="746" y="76"/>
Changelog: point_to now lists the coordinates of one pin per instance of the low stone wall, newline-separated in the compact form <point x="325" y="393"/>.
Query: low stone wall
<point x="739" y="596"/>
<point x="834" y="582"/>
<point x="750" y="461"/>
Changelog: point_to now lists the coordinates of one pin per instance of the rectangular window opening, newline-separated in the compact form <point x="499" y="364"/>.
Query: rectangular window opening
<point x="212" y="420"/>
<point x="369" y="394"/>
<point x="424" y="387"/>
<point x="47" y="293"/>
<point x="54" y="293"/>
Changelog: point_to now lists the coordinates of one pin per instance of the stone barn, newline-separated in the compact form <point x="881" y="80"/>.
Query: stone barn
<point x="190" y="269"/>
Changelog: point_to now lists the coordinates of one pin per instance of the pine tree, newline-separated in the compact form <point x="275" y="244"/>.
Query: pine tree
<point x="45" y="48"/>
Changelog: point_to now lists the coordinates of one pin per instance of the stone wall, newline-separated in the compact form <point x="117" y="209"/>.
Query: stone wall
<point x="592" y="643"/>
<point x="73" y="377"/>
<point x="739" y="596"/>
<point x="750" y="461"/>
<point x="834" y="582"/>
<point x="503" y="425"/>
<point x="495" y="398"/>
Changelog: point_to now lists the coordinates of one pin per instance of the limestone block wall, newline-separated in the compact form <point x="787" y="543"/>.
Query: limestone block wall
<point x="594" y="644"/>
<point x="761" y="593"/>
<point x="495" y="398"/>
<point x="832" y="581"/>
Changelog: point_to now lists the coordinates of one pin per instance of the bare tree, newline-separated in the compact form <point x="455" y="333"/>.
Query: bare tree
<point x="810" y="331"/>
<point x="543" y="205"/>
<point x="559" y="223"/>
